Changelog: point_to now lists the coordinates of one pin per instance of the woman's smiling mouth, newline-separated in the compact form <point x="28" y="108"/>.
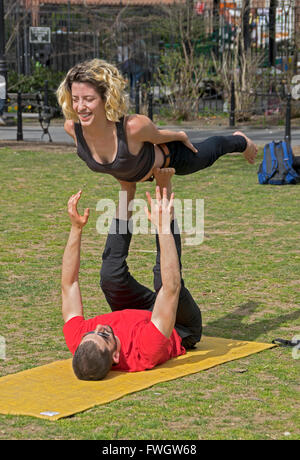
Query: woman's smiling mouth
<point x="84" y="116"/>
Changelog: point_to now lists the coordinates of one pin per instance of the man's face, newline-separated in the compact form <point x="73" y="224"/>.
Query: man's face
<point x="104" y="337"/>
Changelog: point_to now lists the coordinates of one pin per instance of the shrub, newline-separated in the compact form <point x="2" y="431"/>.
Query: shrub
<point x="35" y="83"/>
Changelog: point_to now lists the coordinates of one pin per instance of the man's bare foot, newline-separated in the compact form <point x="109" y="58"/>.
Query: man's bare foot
<point x="251" y="149"/>
<point x="163" y="178"/>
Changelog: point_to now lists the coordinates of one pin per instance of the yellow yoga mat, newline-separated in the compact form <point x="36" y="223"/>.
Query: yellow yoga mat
<point x="52" y="391"/>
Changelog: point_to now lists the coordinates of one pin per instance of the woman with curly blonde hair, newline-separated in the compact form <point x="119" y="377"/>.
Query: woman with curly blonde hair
<point x="130" y="147"/>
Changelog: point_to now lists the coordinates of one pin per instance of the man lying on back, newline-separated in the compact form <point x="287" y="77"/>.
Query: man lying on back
<point x="137" y="335"/>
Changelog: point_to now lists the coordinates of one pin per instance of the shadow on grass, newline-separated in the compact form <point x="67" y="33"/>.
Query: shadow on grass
<point x="232" y="326"/>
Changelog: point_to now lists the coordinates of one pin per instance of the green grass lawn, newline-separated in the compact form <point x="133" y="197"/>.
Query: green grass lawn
<point x="244" y="276"/>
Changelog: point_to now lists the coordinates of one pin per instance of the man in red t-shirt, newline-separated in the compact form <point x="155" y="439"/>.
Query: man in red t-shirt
<point x="143" y="334"/>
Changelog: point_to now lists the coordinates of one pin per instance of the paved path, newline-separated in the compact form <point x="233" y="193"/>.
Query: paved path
<point x="33" y="132"/>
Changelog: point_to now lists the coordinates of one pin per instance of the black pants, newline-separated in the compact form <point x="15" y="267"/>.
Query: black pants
<point x="187" y="162"/>
<point x="296" y="164"/>
<point x="123" y="291"/>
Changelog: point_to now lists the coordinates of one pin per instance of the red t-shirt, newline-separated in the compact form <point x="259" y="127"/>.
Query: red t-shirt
<point x="143" y="346"/>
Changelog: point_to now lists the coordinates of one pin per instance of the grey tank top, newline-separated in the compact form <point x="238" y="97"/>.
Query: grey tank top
<point x="127" y="167"/>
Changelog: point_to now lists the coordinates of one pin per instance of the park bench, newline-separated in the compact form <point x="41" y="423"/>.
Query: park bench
<point x="37" y="102"/>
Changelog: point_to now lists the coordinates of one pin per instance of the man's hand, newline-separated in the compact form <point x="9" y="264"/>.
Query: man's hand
<point x="161" y="210"/>
<point x="77" y="220"/>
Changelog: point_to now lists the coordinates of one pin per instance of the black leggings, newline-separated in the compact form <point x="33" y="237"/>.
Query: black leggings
<point x="187" y="162"/>
<point x="122" y="291"/>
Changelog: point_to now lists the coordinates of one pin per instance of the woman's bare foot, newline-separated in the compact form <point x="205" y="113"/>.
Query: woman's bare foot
<point x="163" y="179"/>
<point x="251" y="149"/>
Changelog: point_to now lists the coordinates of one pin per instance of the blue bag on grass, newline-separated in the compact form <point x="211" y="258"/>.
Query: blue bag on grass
<point x="277" y="165"/>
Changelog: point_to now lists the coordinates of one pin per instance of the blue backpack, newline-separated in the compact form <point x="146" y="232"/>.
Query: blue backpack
<point x="277" y="165"/>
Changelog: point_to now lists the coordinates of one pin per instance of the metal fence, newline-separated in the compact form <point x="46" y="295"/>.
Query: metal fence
<point x="135" y="38"/>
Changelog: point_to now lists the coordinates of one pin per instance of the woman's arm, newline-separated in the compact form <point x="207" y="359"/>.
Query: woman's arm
<point x="141" y="129"/>
<point x="69" y="128"/>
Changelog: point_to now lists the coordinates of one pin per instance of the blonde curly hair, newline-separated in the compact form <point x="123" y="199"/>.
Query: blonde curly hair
<point x="107" y="81"/>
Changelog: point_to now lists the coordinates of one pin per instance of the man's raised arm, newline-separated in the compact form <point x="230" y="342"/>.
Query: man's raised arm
<point x="71" y="296"/>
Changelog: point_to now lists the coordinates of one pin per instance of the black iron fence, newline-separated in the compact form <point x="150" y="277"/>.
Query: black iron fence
<point x="118" y="34"/>
<point x="143" y="40"/>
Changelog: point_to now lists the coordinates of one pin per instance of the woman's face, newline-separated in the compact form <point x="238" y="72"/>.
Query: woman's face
<point x="86" y="102"/>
